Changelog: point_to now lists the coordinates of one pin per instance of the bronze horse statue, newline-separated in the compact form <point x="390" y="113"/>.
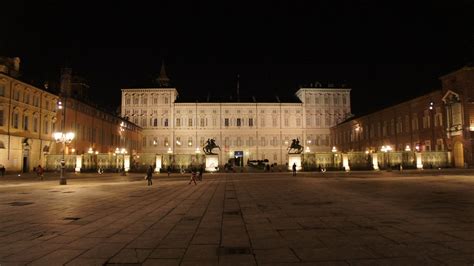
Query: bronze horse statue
<point x="295" y="147"/>
<point x="210" y="145"/>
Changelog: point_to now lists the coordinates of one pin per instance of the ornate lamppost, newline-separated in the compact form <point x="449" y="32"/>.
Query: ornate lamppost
<point x="64" y="138"/>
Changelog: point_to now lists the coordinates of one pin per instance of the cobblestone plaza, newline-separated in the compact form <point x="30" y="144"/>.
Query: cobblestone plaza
<point x="365" y="218"/>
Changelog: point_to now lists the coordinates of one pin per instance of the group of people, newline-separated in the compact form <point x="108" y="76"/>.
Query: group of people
<point x="196" y="173"/>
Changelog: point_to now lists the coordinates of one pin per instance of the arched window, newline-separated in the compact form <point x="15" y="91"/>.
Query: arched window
<point x="155" y="122"/>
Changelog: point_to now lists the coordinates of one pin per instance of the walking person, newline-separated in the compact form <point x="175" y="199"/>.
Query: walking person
<point x="149" y="175"/>
<point x="193" y="176"/>
<point x="39" y="172"/>
<point x="294" y="169"/>
<point x="169" y="170"/>
<point x="201" y="171"/>
<point x="2" y="170"/>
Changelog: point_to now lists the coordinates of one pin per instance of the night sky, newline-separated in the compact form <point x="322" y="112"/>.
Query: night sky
<point x="386" y="52"/>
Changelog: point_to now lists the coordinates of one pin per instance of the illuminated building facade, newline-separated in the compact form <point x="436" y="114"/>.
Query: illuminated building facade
<point x="255" y="128"/>
<point x="442" y="120"/>
<point x="27" y="119"/>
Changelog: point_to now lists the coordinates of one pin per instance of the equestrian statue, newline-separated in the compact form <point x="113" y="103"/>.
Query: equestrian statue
<point x="295" y="147"/>
<point x="210" y="145"/>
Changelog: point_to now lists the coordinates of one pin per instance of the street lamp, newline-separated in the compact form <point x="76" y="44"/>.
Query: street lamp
<point x="64" y="138"/>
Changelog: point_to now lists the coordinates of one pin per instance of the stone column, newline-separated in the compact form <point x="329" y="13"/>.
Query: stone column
<point x="419" y="163"/>
<point x="345" y="162"/>
<point x="375" y="161"/>
<point x="78" y="163"/>
<point x="157" y="163"/>
<point x="126" y="162"/>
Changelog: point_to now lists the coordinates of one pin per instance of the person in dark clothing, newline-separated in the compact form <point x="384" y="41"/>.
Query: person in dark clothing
<point x="149" y="175"/>
<point x="39" y="172"/>
<point x="193" y="176"/>
<point x="2" y="170"/>
<point x="169" y="170"/>
<point x="294" y="169"/>
<point x="201" y="171"/>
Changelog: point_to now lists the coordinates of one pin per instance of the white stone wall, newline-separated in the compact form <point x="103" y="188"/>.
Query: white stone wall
<point x="260" y="130"/>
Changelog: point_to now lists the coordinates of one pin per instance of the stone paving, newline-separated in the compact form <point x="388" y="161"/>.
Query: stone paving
<point x="411" y="218"/>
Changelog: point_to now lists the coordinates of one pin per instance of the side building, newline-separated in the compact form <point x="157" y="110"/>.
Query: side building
<point x="442" y="120"/>
<point x="28" y="117"/>
<point x="96" y="130"/>
<point x="245" y="129"/>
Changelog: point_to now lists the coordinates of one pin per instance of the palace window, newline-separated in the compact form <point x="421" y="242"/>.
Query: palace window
<point x="15" y="120"/>
<point x="46" y="127"/>
<point x="298" y="122"/>
<point x="239" y="122"/>
<point x="1" y="118"/>
<point x="178" y="122"/>
<point x="202" y="122"/>
<point x="414" y="122"/>
<point x="407" y="123"/>
<point x="25" y="122"/>
<point x="226" y="122"/>
<point x="2" y="89"/>
<point x="166" y="122"/>
<point x="127" y="100"/>
<point x="286" y="122"/>
<point x="250" y="122"/>
<point x="190" y="122"/>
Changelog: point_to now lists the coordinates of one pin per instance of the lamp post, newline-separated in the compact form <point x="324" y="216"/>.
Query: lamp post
<point x="64" y="138"/>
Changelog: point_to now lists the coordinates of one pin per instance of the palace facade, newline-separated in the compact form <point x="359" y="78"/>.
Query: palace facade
<point x="442" y="121"/>
<point x="29" y="115"/>
<point x="246" y="129"/>
<point x="96" y="130"/>
<point x="27" y="119"/>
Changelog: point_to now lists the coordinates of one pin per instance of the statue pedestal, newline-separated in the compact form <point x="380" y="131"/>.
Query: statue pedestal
<point x="212" y="162"/>
<point x="294" y="158"/>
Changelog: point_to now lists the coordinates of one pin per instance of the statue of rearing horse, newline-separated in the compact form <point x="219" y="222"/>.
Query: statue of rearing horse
<point x="210" y="145"/>
<point x="295" y="147"/>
